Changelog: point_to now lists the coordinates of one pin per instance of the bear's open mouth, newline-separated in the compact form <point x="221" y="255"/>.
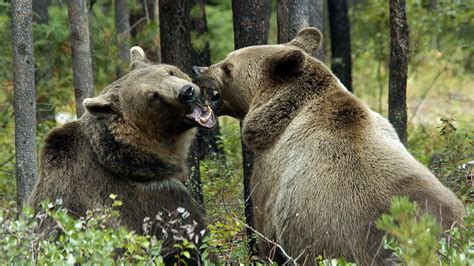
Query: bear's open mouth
<point x="203" y="115"/>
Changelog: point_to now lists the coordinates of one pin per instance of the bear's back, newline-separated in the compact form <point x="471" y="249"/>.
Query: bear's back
<point x="337" y="167"/>
<point x="65" y="157"/>
<point x="61" y="143"/>
<point x="321" y="170"/>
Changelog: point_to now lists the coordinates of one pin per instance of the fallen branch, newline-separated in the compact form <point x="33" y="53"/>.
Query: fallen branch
<point x="290" y="259"/>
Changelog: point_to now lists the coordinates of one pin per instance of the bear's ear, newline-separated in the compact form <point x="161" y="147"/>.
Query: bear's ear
<point x="99" y="106"/>
<point x="137" y="58"/>
<point x="307" y="39"/>
<point x="286" y="64"/>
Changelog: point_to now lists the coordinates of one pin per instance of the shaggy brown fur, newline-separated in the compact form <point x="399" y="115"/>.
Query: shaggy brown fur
<point x="326" y="166"/>
<point x="132" y="141"/>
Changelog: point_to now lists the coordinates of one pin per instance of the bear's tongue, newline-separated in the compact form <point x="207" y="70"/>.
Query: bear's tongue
<point x="203" y="115"/>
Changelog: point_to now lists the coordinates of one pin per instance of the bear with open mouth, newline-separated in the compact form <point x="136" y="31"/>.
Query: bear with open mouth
<point x="132" y="141"/>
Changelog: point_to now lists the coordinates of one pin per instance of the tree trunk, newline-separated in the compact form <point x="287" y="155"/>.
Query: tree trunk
<point x="122" y="25"/>
<point x="250" y="28"/>
<point x="25" y="98"/>
<point x="340" y="41"/>
<point x="175" y="29"/>
<point x="292" y="16"/>
<point x="207" y="139"/>
<point x="175" y="34"/>
<point x="397" y="84"/>
<point x="81" y="52"/>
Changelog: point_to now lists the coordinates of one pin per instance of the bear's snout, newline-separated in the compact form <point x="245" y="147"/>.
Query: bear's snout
<point x="187" y="94"/>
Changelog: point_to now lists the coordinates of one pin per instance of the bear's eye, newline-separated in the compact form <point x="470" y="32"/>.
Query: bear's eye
<point x="227" y="69"/>
<point x="153" y="96"/>
<point x="171" y="73"/>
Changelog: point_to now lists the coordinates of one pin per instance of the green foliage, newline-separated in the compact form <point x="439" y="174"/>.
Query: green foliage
<point x="55" y="237"/>
<point x="439" y="44"/>
<point x="219" y="24"/>
<point x="444" y="27"/>
<point x="222" y="183"/>
<point x="7" y="149"/>
<point x="7" y="155"/>
<point x="333" y="262"/>
<point x="447" y="154"/>
<point x="416" y="240"/>
<point x="457" y="148"/>
<point x="5" y="45"/>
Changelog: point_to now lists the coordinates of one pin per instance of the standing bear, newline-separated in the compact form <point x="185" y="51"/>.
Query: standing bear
<point x="326" y="166"/>
<point x="132" y="141"/>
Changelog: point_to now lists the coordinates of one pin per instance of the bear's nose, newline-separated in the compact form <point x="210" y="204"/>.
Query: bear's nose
<point x="187" y="94"/>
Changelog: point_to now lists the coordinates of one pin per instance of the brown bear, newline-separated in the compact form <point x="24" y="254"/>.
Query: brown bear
<point x="326" y="166"/>
<point x="132" y="141"/>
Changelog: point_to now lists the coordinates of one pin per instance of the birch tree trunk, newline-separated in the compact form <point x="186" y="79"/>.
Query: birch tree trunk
<point x="250" y="28"/>
<point x="341" y="63"/>
<point x="397" y="84"/>
<point x="24" y="99"/>
<point x="292" y="16"/>
<point x="81" y="52"/>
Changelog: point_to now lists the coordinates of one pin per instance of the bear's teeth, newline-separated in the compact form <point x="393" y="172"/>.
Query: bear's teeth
<point x="206" y="118"/>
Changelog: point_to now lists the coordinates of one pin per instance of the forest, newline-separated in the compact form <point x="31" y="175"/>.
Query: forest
<point x="410" y="61"/>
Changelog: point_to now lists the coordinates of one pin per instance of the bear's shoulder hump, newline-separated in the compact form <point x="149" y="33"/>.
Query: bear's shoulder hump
<point x="62" y="140"/>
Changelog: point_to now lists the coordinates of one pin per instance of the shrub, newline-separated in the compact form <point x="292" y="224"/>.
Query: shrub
<point x="53" y="236"/>
<point x="419" y="242"/>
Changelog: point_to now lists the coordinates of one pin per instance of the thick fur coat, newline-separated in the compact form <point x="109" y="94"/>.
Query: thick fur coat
<point x="326" y="166"/>
<point x="133" y="141"/>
